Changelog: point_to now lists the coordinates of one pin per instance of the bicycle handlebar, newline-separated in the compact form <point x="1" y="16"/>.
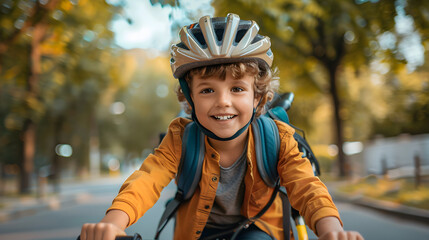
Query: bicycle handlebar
<point x="135" y="237"/>
<point x="283" y="100"/>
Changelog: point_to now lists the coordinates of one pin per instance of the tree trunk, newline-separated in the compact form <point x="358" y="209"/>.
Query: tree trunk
<point x="29" y="132"/>
<point x="28" y="150"/>
<point x="339" y="139"/>
<point x="56" y="159"/>
<point x="94" y="147"/>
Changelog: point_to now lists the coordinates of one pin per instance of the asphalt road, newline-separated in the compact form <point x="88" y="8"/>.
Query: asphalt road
<point x="94" y="198"/>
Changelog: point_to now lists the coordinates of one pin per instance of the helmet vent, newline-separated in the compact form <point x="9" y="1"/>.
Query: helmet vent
<point x="199" y="37"/>
<point x="182" y="45"/>
<point x="257" y="38"/>
<point x="240" y="35"/>
<point x="219" y="34"/>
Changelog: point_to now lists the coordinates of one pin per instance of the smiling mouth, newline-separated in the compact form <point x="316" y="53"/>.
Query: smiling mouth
<point x="224" y="117"/>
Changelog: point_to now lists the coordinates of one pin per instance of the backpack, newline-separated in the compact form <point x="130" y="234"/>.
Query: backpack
<point x="267" y="144"/>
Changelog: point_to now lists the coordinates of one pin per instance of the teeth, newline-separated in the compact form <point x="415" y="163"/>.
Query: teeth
<point x="224" y="117"/>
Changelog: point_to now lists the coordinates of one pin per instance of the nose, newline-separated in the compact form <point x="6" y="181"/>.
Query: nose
<point x="224" y="99"/>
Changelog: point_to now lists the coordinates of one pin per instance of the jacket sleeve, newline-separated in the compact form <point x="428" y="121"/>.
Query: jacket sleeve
<point x="306" y="192"/>
<point x="143" y="188"/>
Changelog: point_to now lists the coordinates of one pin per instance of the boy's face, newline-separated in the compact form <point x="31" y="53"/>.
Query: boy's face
<point x="223" y="106"/>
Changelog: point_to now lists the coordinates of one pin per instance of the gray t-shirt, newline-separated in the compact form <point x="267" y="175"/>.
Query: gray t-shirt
<point x="229" y="195"/>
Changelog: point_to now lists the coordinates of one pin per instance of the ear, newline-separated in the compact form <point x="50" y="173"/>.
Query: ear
<point x="188" y="105"/>
<point x="192" y="98"/>
<point x="257" y="100"/>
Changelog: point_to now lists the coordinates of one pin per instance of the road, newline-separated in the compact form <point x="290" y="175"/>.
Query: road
<point x="95" y="197"/>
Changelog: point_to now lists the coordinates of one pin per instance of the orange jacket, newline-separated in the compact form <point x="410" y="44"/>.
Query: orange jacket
<point x="306" y="192"/>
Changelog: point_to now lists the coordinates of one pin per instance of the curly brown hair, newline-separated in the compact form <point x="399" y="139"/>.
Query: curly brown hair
<point x="265" y="84"/>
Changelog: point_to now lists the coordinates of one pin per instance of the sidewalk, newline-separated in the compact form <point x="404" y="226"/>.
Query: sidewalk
<point x="70" y="193"/>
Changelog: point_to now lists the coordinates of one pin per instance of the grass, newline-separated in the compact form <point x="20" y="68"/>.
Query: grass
<point x="402" y="191"/>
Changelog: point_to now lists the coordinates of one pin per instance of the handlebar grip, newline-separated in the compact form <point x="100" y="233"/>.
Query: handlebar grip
<point x="135" y="237"/>
<point x="126" y="238"/>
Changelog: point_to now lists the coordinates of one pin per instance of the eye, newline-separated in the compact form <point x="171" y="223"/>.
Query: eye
<point x="237" y="89"/>
<point x="206" y="90"/>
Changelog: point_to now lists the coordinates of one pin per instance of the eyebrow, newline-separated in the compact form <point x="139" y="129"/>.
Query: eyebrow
<point x="242" y="81"/>
<point x="206" y="82"/>
<point x="202" y="84"/>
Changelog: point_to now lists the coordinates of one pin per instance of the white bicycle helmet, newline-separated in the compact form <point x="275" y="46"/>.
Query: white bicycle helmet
<point x="219" y="40"/>
<point x="214" y="41"/>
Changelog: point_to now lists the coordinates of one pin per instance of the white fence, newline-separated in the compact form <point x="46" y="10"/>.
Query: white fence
<point x="396" y="156"/>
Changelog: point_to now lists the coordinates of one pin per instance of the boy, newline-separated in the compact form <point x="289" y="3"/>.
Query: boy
<point x="223" y="66"/>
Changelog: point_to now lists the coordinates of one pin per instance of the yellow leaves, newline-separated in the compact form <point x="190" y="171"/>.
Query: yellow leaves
<point x="88" y="10"/>
<point x="66" y="5"/>
<point x="303" y="43"/>
<point x="6" y="23"/>
<point x="419" y="197"/>
<point x="411" y="81"/>
<point x="371" y="187"/>
<point x="11" y="73"/>
<point x="314" y="9"/>
<point x="47" y="66"/>
<point x="13" y="122"/>
<point x="129" y="66"/>
<point x="82" y="2"/>
<point x="306" y="13"/>
<point x="59" y="78"/>
<point x="322" y="150"/>
<point x="311" y="64"/>
<point x="24" y="106"/>
<point x="54" y="45"/>
<point x="162" y="64"/>
<point x="34" y="104"/>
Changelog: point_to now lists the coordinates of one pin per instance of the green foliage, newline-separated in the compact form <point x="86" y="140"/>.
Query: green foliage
<point x="409" y="107"/>
<point x="76" y="64"/>
<point x="150" y="104"/>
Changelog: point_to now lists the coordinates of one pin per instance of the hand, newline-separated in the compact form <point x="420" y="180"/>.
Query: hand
<point x="100" y="231"/>
<point x="341" y="235"/>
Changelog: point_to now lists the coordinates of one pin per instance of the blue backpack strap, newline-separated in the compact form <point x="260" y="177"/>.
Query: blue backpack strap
<point x="191" y="161"/>
<point x="267" y="144"/>
<point x="190" y="168"/>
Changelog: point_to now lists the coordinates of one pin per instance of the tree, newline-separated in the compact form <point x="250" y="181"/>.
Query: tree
<point x="51" y="53"/>
<point x="35" y="16"/>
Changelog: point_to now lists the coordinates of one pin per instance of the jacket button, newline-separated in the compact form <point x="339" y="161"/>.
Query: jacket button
<point x="214" y="179"/>
<point x="206" y="206"/>
<point x="198" y="232"/>
<point x="213" y="155"/>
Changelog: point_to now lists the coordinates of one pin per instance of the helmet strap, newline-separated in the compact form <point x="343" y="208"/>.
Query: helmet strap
<point x="186" y="91"/>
